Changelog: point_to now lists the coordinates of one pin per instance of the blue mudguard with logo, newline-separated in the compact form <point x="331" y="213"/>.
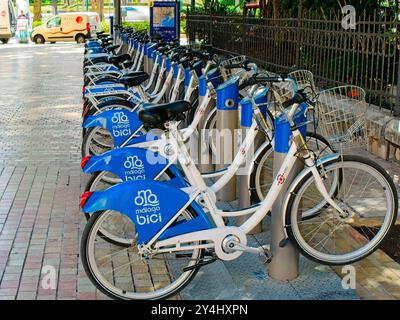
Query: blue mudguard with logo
<point x="120" y="123"/>
<point x="150" y="205"/>
<point x="131" y="164"/>
<point x="128" y="164"/>
<point x="114" y="88"/>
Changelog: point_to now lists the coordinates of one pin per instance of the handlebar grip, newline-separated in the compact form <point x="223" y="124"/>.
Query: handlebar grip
<point x="233" y="66"/>
<point x="247" y="83"/>
<point x="261" y="79"/>
<point x="298" y="98"/>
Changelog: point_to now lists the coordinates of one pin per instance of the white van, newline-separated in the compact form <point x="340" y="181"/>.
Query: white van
<point x="73" y="26"/>
<point x="8" y="22"/>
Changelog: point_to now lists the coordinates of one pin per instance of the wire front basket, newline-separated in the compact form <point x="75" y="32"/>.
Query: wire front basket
<point x="285" y="90"/>
<point x="341" y="117"/>
<point x="304" y="78"/>
<point x="233" y="60"/>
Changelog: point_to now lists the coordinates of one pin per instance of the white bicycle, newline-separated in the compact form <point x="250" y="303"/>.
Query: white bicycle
<point x="337" y="211"/>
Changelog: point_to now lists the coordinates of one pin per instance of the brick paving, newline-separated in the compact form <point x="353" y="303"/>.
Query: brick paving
<point x="40" y="183"/>
<point x="40" y="179"/>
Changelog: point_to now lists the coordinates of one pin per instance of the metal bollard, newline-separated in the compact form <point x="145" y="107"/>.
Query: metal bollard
<point x="285" y="262"/>
<point x="146" y="58"/>
<point x="124" y="44"/>
<point x="205" y="156"/>
<point x="124" y="47"/>
<point x="150" y="61"/>
<point x="112" y="25"/>
<point x="147" y="62"/>
<point x="227" y="115"/>
<point x="187" y="78"/>
<point x="260" y="98"/>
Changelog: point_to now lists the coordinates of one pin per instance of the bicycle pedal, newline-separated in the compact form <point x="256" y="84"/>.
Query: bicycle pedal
<point x="265" y="259"/>
<point x="265" y="255"/>
<point x="284" y="243"/>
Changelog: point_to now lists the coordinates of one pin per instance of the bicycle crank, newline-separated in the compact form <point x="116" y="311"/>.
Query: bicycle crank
<point x="231" y="244"/>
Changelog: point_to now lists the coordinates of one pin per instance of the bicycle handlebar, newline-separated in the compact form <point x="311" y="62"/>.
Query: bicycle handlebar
<point x="261" y="79"/>
<point x="299" y="98"/>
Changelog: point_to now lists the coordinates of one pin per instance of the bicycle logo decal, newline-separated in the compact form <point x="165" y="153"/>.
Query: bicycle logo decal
<point x="121" y="126"/>
<point x="133" y="162"/>
<point x="119" y="117"/>
<point x="149" y="213"/>
<point x="135" y="169"/>
<point x="108" y="90"/>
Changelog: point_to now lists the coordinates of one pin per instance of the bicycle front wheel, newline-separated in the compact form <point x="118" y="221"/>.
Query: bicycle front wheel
<point x="262" y="177"/>
<point x="368" y="198"/>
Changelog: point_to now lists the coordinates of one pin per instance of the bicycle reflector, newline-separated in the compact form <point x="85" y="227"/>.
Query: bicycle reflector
<point x="85" y="197"/>
<point x="84" y="161"/>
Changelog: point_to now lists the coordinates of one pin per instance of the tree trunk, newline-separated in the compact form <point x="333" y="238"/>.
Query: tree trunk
<point x="37" y="10"/>
<point x="93" y="5"/>
<point x="263" y="8"/>
<point x="99" y="9"/>
<point x="277" y="8"/>
<point x="54" y="6"/>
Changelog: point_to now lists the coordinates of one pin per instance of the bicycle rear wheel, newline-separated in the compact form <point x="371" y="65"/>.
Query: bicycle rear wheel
<point x="121" y="273"/>
<point x="369" y="201"/>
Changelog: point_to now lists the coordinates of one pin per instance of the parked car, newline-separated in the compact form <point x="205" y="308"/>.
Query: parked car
<point x="74" y="26"/>
<point x="8" y="22"/>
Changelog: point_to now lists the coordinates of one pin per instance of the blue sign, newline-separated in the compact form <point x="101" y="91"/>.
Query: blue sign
<point x="165" y="19"/>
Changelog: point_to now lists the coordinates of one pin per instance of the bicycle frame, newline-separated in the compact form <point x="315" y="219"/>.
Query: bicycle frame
<point x="206" y="196"/>
<point x="224" y="175"/>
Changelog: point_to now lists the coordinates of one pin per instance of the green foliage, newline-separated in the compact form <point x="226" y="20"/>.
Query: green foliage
<point x="105" y="26"/>
<point x="138" y="26"/>
<point x="183" y="26"/>
<point x="37" y="23"/>
<point x="325" y="6"/>
<point x="216" y="7"/>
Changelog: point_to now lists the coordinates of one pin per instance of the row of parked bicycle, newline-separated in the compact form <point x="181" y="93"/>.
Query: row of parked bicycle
<point x="153" y="217"/>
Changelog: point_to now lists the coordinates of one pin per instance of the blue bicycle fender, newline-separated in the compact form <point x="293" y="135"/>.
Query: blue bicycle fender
<point x="120" y="123"/>
<point x="199" y="223"/>
<point x="179" y="180"/>
<point x="150" y="205"/>
<point x="115" y="88"/>
<point x="128" y="164"/>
